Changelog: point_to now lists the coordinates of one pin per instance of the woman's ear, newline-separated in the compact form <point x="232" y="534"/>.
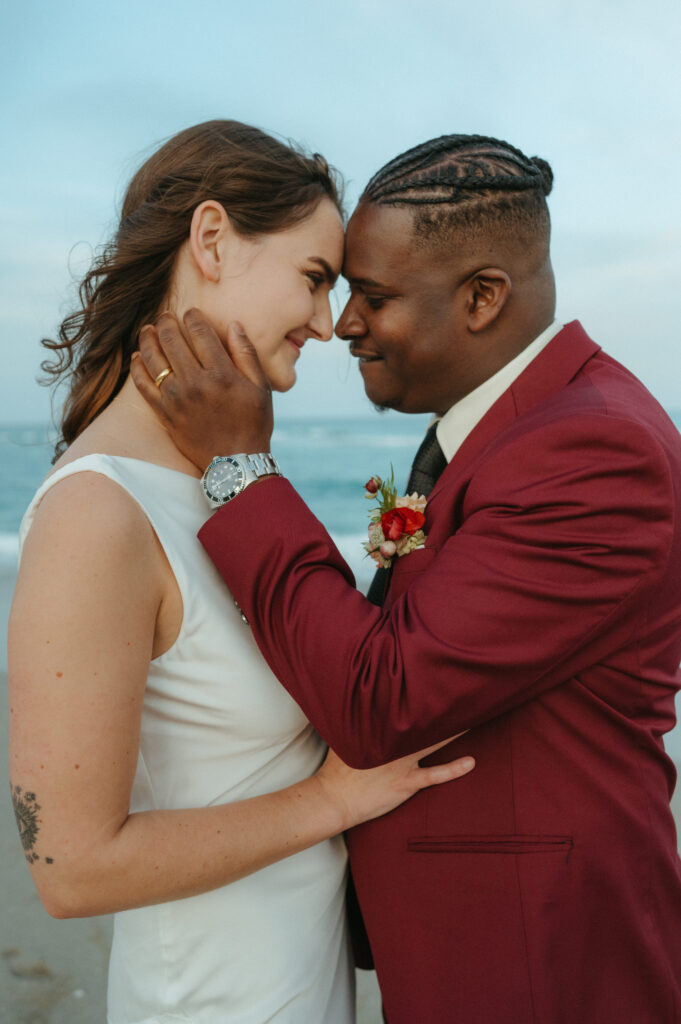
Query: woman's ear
<point x="488" y="292"/>
<point x="210" y="225"/>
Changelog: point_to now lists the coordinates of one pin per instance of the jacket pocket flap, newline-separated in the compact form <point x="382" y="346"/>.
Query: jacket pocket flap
<point x="490" y="844"/>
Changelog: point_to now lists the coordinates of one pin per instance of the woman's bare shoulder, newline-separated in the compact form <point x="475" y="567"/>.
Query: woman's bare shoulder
<point x="90" y="557"/>
<point x="86" y="511"/>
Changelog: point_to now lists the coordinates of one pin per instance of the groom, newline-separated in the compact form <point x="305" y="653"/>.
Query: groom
<point x="543" y="614"/>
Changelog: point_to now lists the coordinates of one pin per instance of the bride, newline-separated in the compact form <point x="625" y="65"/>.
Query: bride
<point x="158" y="769"/>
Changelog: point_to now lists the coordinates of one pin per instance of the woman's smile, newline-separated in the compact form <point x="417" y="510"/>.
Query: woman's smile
<point x="295" y="341"/>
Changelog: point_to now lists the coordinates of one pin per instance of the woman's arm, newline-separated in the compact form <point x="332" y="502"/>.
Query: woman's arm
<point x="83" y="628"/>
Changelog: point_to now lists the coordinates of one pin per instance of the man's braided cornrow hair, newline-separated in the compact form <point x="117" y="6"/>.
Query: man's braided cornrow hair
<point x="468" y="181"/>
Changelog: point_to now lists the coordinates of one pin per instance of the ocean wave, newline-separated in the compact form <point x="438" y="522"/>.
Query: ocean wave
<point x="9" y="549"/>
<point x="349" y="545"/>
<point x="29" y="435"/>
<point x="404" y="432"/>
<point x="321" y="438"/>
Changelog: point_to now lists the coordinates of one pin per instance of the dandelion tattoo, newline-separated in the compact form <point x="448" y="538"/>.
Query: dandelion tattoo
<point x="26" y="810"/>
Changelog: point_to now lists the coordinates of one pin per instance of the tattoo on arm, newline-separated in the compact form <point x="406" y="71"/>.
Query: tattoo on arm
<point x="26" y="810"/>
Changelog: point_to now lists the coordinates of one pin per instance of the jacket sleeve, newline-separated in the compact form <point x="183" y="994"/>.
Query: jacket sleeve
<point x="565" y="534"/>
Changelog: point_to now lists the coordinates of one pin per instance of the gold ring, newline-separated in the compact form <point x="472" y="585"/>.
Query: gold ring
<point x="162" y="376"/>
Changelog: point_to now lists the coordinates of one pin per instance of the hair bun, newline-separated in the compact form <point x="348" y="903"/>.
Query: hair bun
<point x="545" y="173"/>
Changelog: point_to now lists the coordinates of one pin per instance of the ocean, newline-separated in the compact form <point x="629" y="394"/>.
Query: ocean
<point x="328" y="461"/>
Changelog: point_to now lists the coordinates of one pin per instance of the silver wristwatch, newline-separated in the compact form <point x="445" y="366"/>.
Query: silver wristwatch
<point x="229" y="475"/>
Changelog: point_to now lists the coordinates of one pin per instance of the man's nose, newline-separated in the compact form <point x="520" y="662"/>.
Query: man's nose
<point x="350" y="325"/>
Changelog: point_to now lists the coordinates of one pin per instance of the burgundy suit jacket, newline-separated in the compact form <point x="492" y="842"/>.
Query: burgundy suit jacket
<point x="544" y="616"/>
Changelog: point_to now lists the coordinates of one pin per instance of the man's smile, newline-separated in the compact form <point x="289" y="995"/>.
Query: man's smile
<point x="364" y="356"/>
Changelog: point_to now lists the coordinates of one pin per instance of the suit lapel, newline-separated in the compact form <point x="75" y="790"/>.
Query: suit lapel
<point x="551" y="371"/>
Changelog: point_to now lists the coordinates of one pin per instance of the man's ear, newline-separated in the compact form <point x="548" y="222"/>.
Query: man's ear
<point x="488" y="292"/>
<point x="210" y="226"/>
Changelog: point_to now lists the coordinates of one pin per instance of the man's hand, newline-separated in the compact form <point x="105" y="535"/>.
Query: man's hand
<point x="216" y="400"/>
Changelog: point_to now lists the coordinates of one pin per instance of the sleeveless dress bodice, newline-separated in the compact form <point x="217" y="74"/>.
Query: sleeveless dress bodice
<point x="218" y="727"/>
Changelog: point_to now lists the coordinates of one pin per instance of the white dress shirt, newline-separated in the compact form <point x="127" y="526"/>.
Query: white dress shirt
<point x="458" y="422"/>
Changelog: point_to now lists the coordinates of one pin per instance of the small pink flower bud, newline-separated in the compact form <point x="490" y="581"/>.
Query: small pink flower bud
<point x="388" y="548"/>
<point x="372" y="485"/>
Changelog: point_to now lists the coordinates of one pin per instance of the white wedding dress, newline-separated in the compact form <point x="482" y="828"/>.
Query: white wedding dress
<point x="218" y="727"/>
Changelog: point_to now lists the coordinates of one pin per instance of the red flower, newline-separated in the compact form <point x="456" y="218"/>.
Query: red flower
<point x="372" y="485"/>
<point x="401" y="520"/>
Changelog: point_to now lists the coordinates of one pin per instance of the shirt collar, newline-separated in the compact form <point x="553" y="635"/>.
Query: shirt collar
<point x="459" y="421"/>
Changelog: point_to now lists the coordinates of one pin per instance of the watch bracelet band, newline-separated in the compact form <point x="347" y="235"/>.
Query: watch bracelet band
<point x="262" y="463"/>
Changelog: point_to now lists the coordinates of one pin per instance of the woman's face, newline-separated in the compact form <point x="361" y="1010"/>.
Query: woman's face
<point x="277" y="286"/>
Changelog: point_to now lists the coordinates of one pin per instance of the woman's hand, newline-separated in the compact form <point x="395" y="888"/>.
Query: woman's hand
<point x="360" y="795"/>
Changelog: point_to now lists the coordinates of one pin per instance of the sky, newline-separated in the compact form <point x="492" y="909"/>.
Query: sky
<point x="87" y="91"/>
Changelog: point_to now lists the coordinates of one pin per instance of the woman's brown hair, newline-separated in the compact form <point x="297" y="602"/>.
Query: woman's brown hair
<point x="264" y="185"/>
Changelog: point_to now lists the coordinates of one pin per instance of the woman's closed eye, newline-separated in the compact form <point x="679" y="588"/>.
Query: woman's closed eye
<point x="315" y="278"/>
<point x="375" y="301"/>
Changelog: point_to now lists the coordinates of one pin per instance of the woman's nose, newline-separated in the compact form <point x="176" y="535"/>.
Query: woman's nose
<point x="322" y="322"/>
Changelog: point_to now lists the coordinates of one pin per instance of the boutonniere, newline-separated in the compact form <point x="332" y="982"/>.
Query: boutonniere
<point x="395" y="526"/>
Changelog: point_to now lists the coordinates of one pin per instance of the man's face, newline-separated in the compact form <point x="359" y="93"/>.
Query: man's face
<point x="406" y="317"/>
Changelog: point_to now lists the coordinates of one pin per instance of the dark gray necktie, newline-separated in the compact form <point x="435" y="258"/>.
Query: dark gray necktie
<point x="428" y="464"/>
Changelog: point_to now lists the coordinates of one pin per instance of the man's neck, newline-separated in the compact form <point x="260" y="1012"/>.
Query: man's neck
<point x="464" y="415"/>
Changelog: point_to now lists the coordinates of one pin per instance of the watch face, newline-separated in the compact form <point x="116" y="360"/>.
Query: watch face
<point x="224" y="479"/>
